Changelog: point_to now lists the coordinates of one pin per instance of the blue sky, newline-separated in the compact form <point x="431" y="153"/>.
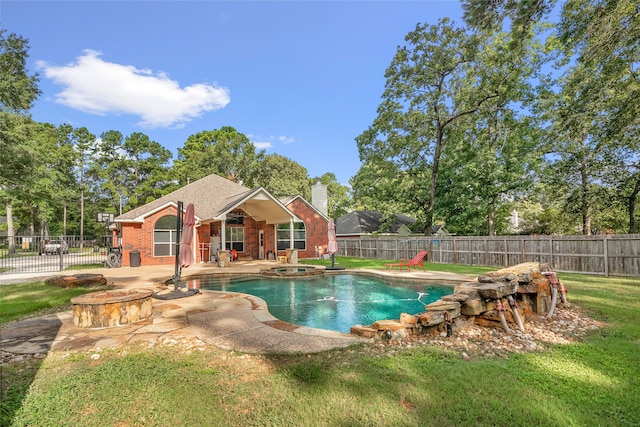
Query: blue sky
<point x="300" y="78"/>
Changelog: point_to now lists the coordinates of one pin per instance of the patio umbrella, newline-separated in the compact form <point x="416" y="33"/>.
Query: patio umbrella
<point x="186" y="254"/>
<point x="332" y="246"/>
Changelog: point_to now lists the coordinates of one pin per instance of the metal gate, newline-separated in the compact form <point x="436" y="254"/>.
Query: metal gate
<point x="34" y="254"/>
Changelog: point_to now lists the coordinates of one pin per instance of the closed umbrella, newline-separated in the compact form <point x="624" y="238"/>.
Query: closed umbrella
<point x="186" y="254"/>
<point x="332" y="246"/>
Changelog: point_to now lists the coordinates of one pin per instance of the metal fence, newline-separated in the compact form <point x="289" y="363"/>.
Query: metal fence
<point x="609" y="255"/>
<point x="35" y="254"/>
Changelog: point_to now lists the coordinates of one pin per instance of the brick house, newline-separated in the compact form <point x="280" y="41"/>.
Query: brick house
<point x="228" y="216"/>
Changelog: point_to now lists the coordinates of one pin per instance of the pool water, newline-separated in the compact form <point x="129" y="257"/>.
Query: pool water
<point x="335" y="302"/>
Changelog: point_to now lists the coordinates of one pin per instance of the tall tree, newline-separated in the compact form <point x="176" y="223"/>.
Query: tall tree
<point x="603" y="38"/>
<point x="443" y="75"/>
<point x="84" y="143"/>
<point x="283" y="177"/>
<point x="488" y="169"/>
<point x="147" y="165"/>
<point x="224" y="151"/>
<point x="18" y="91"/>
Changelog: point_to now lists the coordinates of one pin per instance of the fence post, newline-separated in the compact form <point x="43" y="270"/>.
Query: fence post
<point x="61" y="254"/>
<point x="605" y="249"/>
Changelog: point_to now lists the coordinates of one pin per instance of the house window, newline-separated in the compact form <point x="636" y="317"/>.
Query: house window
<point x="235" y="238"/>
<point x="164" y="236"/>
<point x="299" y="236"/>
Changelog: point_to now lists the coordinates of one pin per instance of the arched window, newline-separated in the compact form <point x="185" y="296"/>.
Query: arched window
<point x="299" y="236"/>
<point x="164" y="236"/>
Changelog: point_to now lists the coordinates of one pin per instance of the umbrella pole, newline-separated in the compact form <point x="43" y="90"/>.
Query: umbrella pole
<point x="176" y="276"/>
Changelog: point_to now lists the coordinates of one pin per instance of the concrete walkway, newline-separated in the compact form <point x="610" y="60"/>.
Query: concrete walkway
<point x="228" y="320"/>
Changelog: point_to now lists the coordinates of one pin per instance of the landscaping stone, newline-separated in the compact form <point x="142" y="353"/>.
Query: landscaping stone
<point x="388" y="325"/>
<point x="498" y="290"/>
<point x="78" y="280"/>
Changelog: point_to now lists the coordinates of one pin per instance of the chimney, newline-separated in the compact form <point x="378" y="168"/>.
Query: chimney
<point x="319" y="198"/>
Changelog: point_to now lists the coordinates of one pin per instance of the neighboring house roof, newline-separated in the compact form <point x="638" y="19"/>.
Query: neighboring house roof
<point x="366" y="222"/>
<point x="213" y="197"/>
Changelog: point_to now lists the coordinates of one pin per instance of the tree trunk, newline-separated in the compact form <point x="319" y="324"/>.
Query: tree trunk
<point x="81" y="217"/>
<point x="434" y="182"/>
<point x="64" y="217"/>
<point x="491" y="220"/>
<point x="586" y="211"/>
<point x="11" y="232"/>
<point x="631" y="206"/>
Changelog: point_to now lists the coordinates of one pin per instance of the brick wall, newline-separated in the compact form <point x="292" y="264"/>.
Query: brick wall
<point x="316" y="228"/>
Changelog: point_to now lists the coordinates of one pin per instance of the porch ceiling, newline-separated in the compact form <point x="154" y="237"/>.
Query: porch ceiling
<point x="261" y="206"/>
<point x="267" y="210"/>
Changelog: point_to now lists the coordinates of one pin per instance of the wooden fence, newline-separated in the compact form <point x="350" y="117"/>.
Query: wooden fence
<point x="609" y="255"/>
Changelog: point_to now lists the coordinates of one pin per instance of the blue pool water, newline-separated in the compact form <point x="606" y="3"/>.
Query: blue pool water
<point x="335" y="302"/>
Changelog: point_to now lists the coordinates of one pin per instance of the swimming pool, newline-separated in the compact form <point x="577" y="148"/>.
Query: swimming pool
<point x="335" y="302"/>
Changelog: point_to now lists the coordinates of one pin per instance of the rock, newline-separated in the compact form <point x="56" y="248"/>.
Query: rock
<point x="431" y="318"/>
<point x="460" y="298"/>
<point x="78" y="280"/>
<point x="470" y="289"/>
<point x="473" y="307"/>
<point x="408" y="319"/>
<point x="441" y="304"/>
<point x="498" y="289"/>
<point x="522" y="273"/>
<point x="390" y="325"/>
<point x="363" y="331"/>
<point x="536" y="285"/>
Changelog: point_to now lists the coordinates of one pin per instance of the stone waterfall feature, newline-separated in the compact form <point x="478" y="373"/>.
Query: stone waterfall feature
<point x="505" y="298"/>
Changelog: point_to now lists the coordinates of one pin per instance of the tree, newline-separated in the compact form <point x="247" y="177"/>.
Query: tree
<point x="132" y="170"/>
<point x="84" y="144"/>
<point x="443" y="76"/>
<point x="593" y="113"/>
<point x="486" y="171"/>
<point x="603" y="37"/>
<point x="18" y="91"/>
<point x="147" y="164"/>
<point x="283" y="177"/>
<point x="490" y="15"/>
<point x="224" y="151"/>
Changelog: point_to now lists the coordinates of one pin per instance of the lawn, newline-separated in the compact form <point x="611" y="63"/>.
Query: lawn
<point x="588" y="383"/>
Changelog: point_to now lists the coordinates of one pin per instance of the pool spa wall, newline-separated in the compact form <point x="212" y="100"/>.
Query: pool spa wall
<point x="499" y="298"/>
<point x="112" y="308"/>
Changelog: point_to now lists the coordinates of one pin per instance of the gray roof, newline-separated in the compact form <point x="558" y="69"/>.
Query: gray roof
<point x="208" y="196"/>
<point x="366" y="222"/>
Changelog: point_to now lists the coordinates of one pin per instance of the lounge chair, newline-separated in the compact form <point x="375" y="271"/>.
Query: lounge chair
<point x="414" y="262"/>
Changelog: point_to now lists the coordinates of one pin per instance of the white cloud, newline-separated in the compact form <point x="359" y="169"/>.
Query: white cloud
<point x="98" y="87"/>
<point x="262" y="145"/>
<point x="286" y="139"/>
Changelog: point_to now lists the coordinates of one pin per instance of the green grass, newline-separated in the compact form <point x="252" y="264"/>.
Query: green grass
<point x="28" y="299"/>
<point x="85" y="266"/>
<point x="590" y="383"/>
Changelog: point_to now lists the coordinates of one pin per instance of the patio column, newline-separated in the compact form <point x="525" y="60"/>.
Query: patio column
<point x="291" y="233"/>
<point x="223" y="235"/>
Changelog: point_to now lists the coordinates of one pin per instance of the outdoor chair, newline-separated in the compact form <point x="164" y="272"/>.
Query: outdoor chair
<point x="414" y="262"/>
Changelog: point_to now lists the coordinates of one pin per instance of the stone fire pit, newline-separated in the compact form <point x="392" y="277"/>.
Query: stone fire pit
<point x="112" y="308"/>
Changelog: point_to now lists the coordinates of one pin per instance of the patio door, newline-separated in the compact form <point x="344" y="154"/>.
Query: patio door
<point x="261" y="244"/>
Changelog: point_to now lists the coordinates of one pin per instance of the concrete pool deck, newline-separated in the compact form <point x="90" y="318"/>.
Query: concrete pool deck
<point x="230" y="321"/>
